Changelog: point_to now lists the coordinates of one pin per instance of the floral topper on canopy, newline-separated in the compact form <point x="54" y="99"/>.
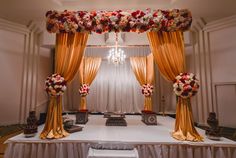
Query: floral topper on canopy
<point x="186" y="85"/>
<point x="117" y="21"/>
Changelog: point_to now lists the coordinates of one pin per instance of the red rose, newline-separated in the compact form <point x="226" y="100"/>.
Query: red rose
<point x="134" y="14"/>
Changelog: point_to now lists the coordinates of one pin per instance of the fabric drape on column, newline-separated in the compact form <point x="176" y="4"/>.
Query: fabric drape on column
<point x="168" y="52"/>
<point x="144" y="71"/>
<point x="87" y="72"/>
<point x="69" y="54"/>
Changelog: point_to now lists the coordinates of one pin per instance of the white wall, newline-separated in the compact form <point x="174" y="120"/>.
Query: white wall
<point x="45" y="68"/>
<point x="212" y="57"/>
<point x="223" y="60"/>
<point x="23" y="66"/>
<point x="11" y="68"/>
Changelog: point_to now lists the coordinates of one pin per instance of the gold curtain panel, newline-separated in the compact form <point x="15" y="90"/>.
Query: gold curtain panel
<point x="87" y="72"/>
<point x="69" y="53"/>
<point x="168" y="52"/>
<point x="143" y="68"/>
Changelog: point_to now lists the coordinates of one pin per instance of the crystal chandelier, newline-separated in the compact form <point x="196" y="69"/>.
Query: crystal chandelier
<point x="116" y="56"/>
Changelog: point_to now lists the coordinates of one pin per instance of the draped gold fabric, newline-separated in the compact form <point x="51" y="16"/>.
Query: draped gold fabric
<point x="168" y="52"/>
<point x="87" y="72"/>
<point x="138" y="65"/>
<point x="69" y="53"/>
<point x="144" y="71"/>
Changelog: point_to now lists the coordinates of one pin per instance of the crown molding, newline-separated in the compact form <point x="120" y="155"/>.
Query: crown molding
<point x="220" y="24"/>
<point x="33" y="26"/>
<point x="198" y="24"/>
<point x="14" y="27"/>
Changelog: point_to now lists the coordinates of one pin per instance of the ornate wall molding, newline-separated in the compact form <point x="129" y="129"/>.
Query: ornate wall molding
<point x="13" y="27"/>
<point x="220" y="24"/>
<point x="28" y="87"/>
<point x="202" y="59"/>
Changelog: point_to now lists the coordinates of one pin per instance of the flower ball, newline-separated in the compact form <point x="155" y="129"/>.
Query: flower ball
<point x="55" y="85"/>
<point x="147" y="90"/>
<point x="84" y="90"/>
<point x="186" y="85"/>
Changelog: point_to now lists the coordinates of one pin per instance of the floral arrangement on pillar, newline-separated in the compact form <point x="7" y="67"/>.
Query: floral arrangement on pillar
<point x="185" y="86"/>
<point x="55" y="85"/>
<point x="147" y="91"/>
<point x="83" y="91"/>
<point x="148" y="116"/>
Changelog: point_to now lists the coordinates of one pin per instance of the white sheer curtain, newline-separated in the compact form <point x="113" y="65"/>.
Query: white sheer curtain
<point x="115" y="88"/>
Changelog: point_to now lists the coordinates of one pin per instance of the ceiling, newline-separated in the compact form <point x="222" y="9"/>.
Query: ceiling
<point x="23" y="11"/>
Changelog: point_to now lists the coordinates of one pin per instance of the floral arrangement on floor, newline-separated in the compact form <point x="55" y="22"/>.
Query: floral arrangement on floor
<point x="186" y="85"/>
<point x="147" y="90"/>
<point x="116" y="21"/>
<point x="55" y="85"/>
<point x="84" y="90"/>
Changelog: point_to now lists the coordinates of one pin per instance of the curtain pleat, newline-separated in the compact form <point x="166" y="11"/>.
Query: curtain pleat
<point x="87" y="72"/>
<point x="69" y="53"/>
<point x="115" y="88"/>
<point x="168" y="52"/>
<point x="143" y="69"/>
<point x="139" y="67"/>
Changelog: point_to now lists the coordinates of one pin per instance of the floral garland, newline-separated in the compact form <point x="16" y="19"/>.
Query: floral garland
<point x="84" y="90"/>
<point x="147" y="90"/>
<point x="186" y="85"/>
<point x="55" y="85"/>
<point x="117" y="21"/>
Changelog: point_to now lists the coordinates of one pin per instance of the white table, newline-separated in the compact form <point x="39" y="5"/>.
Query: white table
<point x="150" y="141"/>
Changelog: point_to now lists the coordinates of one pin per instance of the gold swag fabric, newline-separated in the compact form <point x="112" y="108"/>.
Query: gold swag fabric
<point x="69" y="53"/>
<point x="168" y="52"/>
<point x="143" y="68"/>
<point x="87" y="72"/>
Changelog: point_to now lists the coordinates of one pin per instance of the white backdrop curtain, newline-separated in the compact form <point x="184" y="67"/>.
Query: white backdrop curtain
<point x="106" y="93"/>
<point x="115" y="89"/>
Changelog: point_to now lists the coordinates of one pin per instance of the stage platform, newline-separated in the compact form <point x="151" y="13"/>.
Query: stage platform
<point x="150" y="141"/>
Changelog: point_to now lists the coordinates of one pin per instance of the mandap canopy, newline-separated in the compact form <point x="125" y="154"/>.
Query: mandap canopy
<point x="164" y="30"/>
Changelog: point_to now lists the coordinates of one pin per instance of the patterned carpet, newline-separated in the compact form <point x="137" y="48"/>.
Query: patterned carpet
<point x="7" y="132"/>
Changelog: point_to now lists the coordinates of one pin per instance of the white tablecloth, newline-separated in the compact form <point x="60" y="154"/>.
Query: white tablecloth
<point x="150" y="141"/>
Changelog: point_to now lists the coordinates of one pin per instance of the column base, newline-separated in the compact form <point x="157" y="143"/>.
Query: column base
<point x="149" y="117"/>
<point x="82" y="116"/>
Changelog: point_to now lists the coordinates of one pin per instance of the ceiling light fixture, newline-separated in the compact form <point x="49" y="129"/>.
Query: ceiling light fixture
<point x="116" y="56"/>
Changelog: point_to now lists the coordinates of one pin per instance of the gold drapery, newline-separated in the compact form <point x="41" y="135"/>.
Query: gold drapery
<point x="69" y="53"/>
<point x="168" y="52"/>
<point x="87" y="72"/>
<point x="143" y="68"/>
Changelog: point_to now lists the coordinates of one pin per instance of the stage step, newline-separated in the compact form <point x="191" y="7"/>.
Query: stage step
<point x="95" y="153"/>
